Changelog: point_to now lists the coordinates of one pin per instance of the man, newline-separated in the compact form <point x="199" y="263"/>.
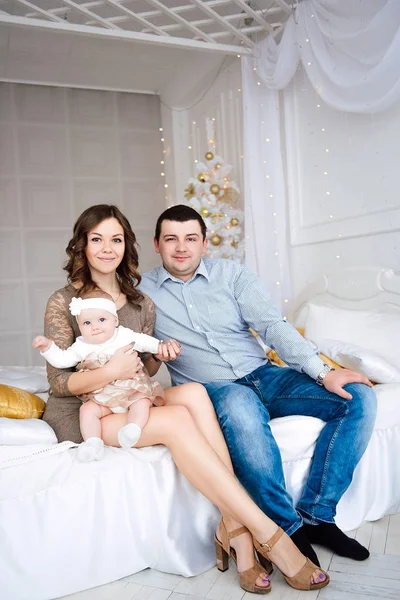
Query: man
<point x="209" y="306"/>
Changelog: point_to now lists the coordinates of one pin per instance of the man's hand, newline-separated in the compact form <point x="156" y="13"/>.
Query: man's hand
<point x="335" y="380"/>
<point x="168" y="350"/>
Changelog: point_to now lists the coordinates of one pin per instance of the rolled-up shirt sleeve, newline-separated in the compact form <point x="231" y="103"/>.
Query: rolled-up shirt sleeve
<point x="259" y="312"/>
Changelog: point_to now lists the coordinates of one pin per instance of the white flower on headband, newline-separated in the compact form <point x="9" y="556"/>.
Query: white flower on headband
<point x="75" y="306"/>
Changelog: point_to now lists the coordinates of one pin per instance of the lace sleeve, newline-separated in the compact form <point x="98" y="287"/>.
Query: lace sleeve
<point x="148" y="318"/>
<point x="58" y="329"/>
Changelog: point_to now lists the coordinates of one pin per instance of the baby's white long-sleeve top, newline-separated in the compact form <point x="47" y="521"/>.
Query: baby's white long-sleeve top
<point x="80" y="349"/>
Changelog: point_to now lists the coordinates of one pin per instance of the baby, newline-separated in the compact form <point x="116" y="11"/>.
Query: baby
<point x="101" y="336"/>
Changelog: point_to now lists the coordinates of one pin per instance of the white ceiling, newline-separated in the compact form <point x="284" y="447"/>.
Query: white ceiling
<point x="30" y="55"/>
<point x="90" y="55"/>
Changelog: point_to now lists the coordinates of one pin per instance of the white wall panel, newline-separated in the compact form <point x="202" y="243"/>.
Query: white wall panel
<point x="12" y="297"/>
<point x="45" y="252"/>
<point x="142" y="199"/>
<point x="61" y="151"/>
<point x="45" y="202"/>
<point x="42" y="150"/>
<point x="7" y="149"/>
<point x="8" y="206"/>
<point x="39" y="104"/>
<point x="87" y="107"/>
<point x="15" y="350"/>
<point x="10" y="255"/>
<point x="138" y="110"/>
<point x="89" y="192"/>
<point x="94" y="152"/>
<point x="5" y="103"/>
<point x="342" y="182"/>
<point x="137" y="159"/>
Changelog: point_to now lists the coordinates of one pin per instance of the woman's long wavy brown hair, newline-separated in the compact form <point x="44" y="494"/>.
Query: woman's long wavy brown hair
<point x="77" y="265"/>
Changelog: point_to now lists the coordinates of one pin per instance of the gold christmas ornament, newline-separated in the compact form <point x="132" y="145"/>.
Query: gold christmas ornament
<point x="214" y="189"/>
<point x="203" y="177"/>
<point x="218" y="166"/>
<point x="234" y="222"/>
<point x="209" y="155"/>
<point x="231" y="196"/>
<point x="190" y="191"/>
<point x="215" y="240"/>
<point x="216" y="216"/>
<point x="204" y="212"/>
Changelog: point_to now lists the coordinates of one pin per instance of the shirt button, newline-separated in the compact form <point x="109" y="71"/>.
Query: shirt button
<point x="190" y="305"/>
<point x="197" y="326"/>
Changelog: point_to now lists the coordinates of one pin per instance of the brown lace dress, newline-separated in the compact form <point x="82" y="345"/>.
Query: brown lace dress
<point x="62" y="409"/>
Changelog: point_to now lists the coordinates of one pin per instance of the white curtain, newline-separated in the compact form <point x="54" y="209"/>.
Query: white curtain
<point x="350" y="51"/>
<point x="264" y="189"/>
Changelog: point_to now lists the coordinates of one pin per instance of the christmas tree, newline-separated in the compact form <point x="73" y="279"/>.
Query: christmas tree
<point x="215" y="197"/>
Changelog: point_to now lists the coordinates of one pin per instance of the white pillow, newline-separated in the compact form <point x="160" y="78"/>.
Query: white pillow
<point x="376" y="368"/>
<point x="18" y="432"/>
<point x="24" y="379"/>
<point x="371" y="330"/>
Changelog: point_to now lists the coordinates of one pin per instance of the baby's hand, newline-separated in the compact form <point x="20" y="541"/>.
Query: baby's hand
<point x="41" y="342"/>
<point x="168" y="350"/>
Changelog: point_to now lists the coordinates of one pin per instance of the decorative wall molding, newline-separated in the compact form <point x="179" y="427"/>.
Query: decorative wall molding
<point x="341" y="206"/>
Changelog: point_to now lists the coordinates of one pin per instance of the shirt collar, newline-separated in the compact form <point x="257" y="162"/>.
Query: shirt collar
<point x="163" y="274"/>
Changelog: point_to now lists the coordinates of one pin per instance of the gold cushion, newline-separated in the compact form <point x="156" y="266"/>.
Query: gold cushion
<point x="18" y="404"/>
<point x="274" y="358"/>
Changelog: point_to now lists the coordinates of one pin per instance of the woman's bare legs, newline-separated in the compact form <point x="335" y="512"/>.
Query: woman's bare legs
<point x="194" y="397"/>
<point x="174" y="427"/>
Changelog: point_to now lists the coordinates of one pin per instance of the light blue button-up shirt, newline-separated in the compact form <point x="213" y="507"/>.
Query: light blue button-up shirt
<point x="210" y="316"/>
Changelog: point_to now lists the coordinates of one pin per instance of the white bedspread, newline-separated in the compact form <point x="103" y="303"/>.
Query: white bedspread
<point x="67" y="526"/>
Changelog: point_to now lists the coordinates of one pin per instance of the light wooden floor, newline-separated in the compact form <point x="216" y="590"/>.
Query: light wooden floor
<point x="377" y="578"/>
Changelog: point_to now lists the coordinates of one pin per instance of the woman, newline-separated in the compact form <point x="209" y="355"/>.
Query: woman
<point x="102" y="254"/>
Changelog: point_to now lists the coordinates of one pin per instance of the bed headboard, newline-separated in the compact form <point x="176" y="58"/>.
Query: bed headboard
<point x="354" y="288"/>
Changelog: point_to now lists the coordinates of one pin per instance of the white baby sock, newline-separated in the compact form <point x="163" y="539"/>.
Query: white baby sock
<point x="129" y="435"/>
<point x="92" y="449"/>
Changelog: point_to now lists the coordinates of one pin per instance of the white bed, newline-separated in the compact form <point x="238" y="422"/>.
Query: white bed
<point x="67" y="526"/>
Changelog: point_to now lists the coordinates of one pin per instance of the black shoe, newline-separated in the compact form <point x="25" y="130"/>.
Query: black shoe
<point x="330" y="536"/>
<point x="299" y="537"/>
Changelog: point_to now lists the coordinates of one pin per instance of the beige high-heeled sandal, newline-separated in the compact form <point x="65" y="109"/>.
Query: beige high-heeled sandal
<point x="302" y="579"/>
<point x="248" y="578"/>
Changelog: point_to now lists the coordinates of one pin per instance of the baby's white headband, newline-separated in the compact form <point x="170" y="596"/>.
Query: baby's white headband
<point x="78" y="304"/>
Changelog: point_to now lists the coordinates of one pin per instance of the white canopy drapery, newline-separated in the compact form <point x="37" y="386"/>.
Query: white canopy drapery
<point x="350" y="51"/>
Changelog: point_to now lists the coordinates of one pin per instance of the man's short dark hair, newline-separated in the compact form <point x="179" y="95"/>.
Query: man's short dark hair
<point x="180" y="213"/>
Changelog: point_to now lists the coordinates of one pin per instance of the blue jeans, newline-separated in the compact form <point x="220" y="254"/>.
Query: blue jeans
<point x="244" y="409"/>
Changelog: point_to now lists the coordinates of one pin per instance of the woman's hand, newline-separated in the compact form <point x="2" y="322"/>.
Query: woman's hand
<point x="168" y="350"/>
<point x="124" y="364"/>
